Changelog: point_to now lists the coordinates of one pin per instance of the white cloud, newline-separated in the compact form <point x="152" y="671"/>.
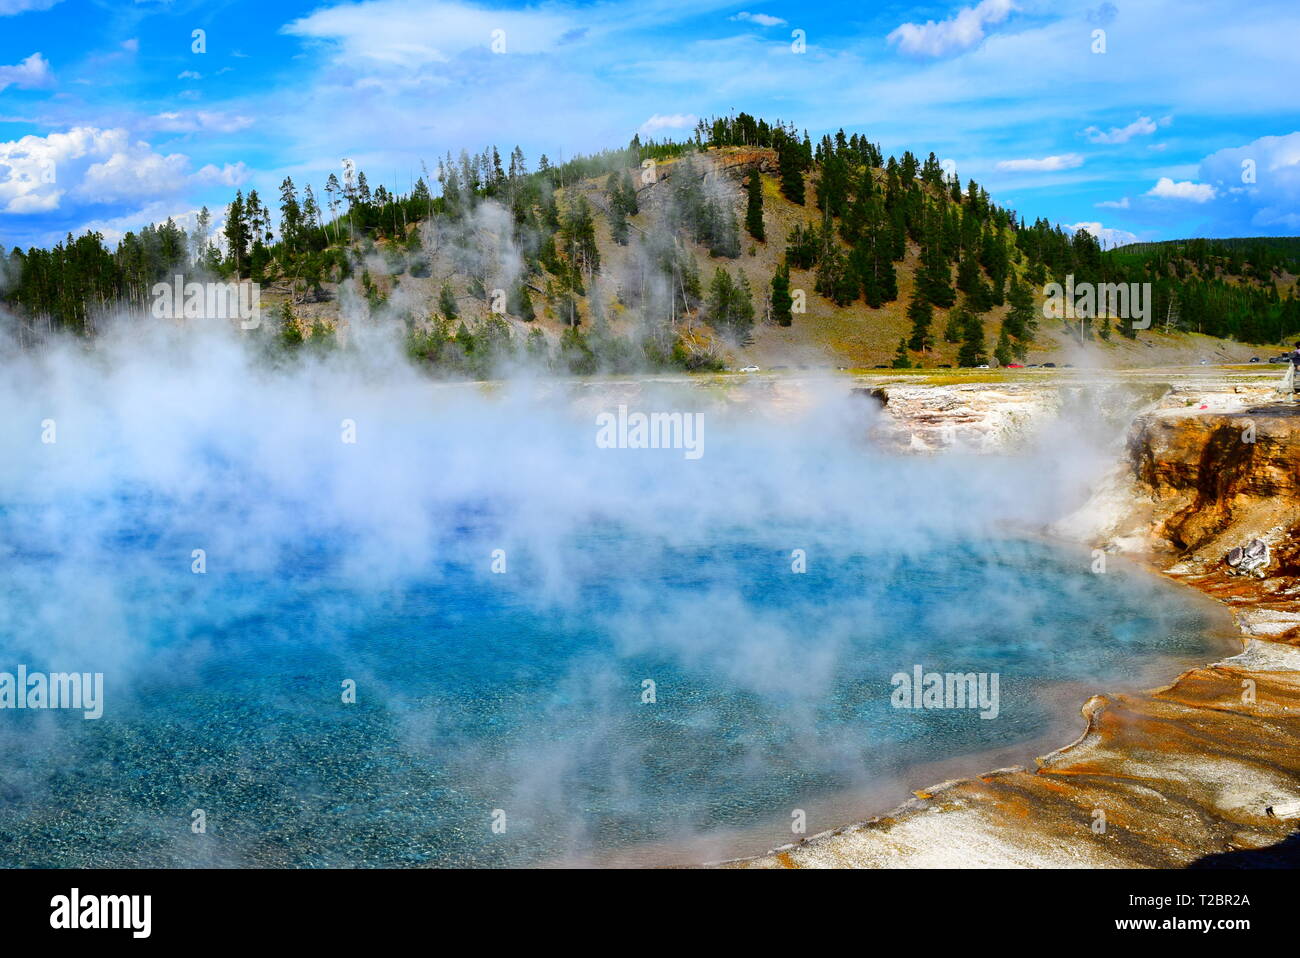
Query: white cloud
<point x="1048" y="164"/>
<point x="1264" y="176"/>
<point x="30" y="74"/>
<point x="1142" y="126"/>
<point x="1120" y="204"/>
<point x="189" y="75"/>
<point x="1166" y="188"/>
<point x="405" y="34"/>
<point x="87" y="166"/>
<point x="131" y="171"/>
<point x="132" y="45"/>
<point x="9" y="8"/>
<point x="27" y="203"/>
<point x="1108" y="236"/>
<point x="232" y="175"/>
<point x="670" y="121"/>
<point x="762" y="19"/>
<point x="957" y="33"/>
<point x="194" y="121"/>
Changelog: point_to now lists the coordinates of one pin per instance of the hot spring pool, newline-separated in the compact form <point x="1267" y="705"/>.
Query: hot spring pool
<point x="485" y="697"/>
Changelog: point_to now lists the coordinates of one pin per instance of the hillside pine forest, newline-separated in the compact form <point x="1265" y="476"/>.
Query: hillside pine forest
<point x="660" y="255"/>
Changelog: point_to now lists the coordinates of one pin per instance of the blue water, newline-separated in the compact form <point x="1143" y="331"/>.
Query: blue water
<point x="519" y="692"/>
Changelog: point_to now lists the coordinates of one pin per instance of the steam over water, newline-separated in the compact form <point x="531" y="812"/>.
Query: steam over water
<point x="476" y="691"/>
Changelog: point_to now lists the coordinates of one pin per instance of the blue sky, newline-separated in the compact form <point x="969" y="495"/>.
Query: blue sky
<point x="1187" y="124"/>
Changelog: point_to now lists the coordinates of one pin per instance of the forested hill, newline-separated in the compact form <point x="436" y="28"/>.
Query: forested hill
<point x="747" y="240"/>
<point x="1241" y="288"/>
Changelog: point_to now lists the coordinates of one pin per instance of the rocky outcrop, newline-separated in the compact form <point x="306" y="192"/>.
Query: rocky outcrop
<point x="1199" y="482"/>
<point x="995" y="416"/>
<point x="978" y="416"/>
<point x="1215" y="473"/>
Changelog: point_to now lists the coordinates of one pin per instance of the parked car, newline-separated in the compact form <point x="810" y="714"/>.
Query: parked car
<point x="749" y="369"/>
<point x="944" y="366"/>
<point x="982" y="366"/>
<point x="1015" y="366"/>
<point x="1254" y="359"/>
<point x="1280" y="359"/>
<point x="1049" y="365"/>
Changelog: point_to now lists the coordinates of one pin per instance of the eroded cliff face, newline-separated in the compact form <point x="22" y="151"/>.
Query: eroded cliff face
<point x="1199" y="482"/>
<point x="1185" y="775"/>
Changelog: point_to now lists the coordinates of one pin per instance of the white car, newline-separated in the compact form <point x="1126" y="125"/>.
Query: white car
<point x="749" y="369"/>
<point x="985" y="366"/>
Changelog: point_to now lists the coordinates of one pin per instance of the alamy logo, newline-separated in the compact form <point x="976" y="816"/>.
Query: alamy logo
<point x="656" y="430"/>
<point x="74" y="911"/>
<point x="181" y="300"/>
<point x="946" y="690"/>
<point x="55" y="690"/>
<point x="1098" y="301"/>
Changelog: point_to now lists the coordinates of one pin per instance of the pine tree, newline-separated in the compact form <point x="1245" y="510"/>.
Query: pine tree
<point x="862" y="261"/>
<point x="730" y="306"/>
<point x="333" y="192"/>
<point x="901" y="359"/>
<point x="743" y="309"/>
<point x="447" y="305"/>
<point x="792" y="167"/>
<point x="578" y="236"/>
<point x="198" y="239"/>
<point x="858" y="212"/>
<point x="618" y="225"/>
<point x="289" y="329"/>
<point x="803" y="246"/>
<point x="952" y="329"/>
<point x="921" y="316"/>
<point x="630" y="204"/>
<point x="236" y="232"/>
<point x="1003" y="352"/>
<point x="935" y="277"/>
<point x="290" y="214"/>
<point x="836" y="278"/>
<point x="754" y="206"/>
<point x="832" y="186"/>
<point x="1020" y="317"/>
<point x="617" y="208"/>
<point x="781" y="298"/>
<point x="718" y="230"/>
<point x="972" y="352"/>
<point x="310" y="211"/>
<point x="968" y="275"/>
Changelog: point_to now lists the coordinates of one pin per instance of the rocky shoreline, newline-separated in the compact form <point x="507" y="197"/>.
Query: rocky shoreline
<point x="1201" y="772"/>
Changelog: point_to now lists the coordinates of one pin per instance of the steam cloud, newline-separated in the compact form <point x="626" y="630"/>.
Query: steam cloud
<point x="171" y="439"/>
